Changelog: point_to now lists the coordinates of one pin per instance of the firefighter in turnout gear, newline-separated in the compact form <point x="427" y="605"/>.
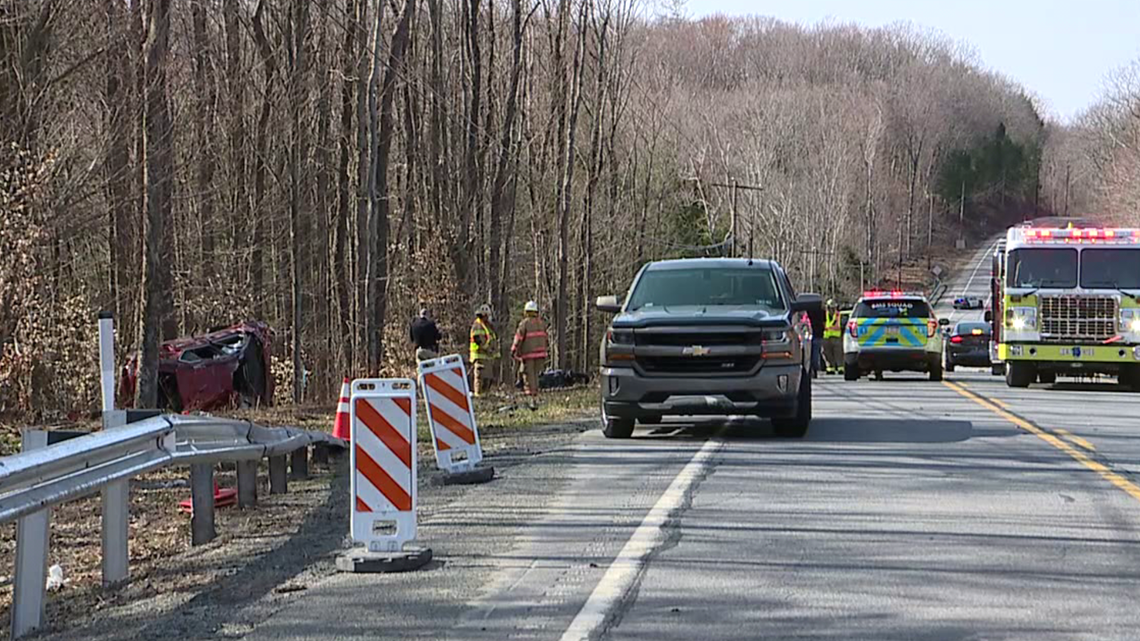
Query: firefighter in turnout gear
<point x="530" y="348"/>
<point x="484" y="350"/>
<point x="833" y="340"/>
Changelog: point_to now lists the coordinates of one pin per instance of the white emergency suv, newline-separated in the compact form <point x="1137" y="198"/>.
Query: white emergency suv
<point x="892" y="331"/>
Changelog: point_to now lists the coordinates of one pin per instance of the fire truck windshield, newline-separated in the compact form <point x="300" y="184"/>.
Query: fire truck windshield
<point x="1042" y="267"/>
<point x="1110" y="268"/>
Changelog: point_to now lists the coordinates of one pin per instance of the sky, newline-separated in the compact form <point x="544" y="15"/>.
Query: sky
<point x="1060" y="50"/>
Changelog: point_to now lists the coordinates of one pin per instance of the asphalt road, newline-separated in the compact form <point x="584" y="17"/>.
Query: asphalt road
<point x="912" y="510"/>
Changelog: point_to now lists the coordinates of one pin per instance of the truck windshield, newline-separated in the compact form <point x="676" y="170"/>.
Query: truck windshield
<point x="1110" y="268"/>
<point x="707" y="286"/>
<point x="1042" y="268"/>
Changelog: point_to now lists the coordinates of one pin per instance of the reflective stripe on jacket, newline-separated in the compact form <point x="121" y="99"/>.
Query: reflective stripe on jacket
<point x="482" y="331"/>
<point x="530" y="339"/>
<point x="832" y="330"/>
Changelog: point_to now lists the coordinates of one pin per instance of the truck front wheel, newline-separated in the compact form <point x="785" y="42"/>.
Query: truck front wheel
<point x="796" y="426"/>
<point x="1018" y="374"/>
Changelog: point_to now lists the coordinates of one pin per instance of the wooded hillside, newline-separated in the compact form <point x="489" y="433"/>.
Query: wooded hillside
<point x="329" y="166"/>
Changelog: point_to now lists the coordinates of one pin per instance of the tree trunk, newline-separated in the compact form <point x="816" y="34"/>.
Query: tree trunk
<point x="363" y="193"/>
<point x="565" y="192"/>
<point x="159" y="186"/>
<point x="118" y="168"/>
<point x="206" y="88"/>
<point x="339" y="269"/>
<point x="240" y="212"/>
<point x="264" y="162"/>
<point x="298" y="152"/>
<point x="505" y="162"/>
<point x="378" y="284"/>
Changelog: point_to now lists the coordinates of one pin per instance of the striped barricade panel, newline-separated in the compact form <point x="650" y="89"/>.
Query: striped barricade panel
<point x="451" y="414"/>
<point x="383" y="415"/>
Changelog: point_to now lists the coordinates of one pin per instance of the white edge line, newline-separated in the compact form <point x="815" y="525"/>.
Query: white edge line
<point x="623" y="572"/>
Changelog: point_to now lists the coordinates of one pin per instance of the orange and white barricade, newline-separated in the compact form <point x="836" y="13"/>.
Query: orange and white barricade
<point x="451" y="414"/>
<point x="383" y="461"/>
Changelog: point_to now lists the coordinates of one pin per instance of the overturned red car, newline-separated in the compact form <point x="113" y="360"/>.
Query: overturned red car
<point x="226" y="368"/>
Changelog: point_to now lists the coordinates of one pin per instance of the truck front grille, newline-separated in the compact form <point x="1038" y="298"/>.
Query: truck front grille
<point x="705" y="339"/>
<point x="698" y="365"/>
<point x="1078" y="317"/>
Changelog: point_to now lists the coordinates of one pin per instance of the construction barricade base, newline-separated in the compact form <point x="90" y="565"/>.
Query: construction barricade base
<point x="361" y="560"/>
<point x="467" y="477"/>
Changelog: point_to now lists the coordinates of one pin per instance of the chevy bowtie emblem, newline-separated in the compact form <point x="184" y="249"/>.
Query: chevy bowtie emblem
<point x="696" y="350"/>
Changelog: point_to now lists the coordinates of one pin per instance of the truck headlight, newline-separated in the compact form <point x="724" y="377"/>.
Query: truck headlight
<point x="1022" y="318"/>
<point x="618" y="351"/>
<point x="619" y="337"/>
<point x="1130" y="320"/>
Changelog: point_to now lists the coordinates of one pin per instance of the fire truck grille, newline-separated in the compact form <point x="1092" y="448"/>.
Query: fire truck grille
<point x="1077" y="317"/>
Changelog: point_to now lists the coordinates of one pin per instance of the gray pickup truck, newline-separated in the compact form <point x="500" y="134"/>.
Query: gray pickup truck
<point x="708" y="336"/>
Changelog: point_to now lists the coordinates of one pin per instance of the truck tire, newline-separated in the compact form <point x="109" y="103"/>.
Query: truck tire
<point x="936" y="371"/>
<point x="1018" y="374"/>
<point x="850" y="372"/>
<point x="796" y="426"/>
<point x="617" y="427"/>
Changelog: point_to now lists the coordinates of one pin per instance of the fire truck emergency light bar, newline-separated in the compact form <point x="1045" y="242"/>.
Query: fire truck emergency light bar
<point x="1091" y="236"/>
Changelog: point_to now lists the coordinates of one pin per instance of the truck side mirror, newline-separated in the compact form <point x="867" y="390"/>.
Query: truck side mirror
<point x="808" y="303"/>
<point x="608" y="304"/>
<point x="988" y="316"/>
<point x="943" y="322"/>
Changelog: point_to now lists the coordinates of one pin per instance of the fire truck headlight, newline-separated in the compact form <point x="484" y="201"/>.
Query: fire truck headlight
<point x="1130" y="320"/>
<point x="1136" y="352"/>
<point x="1022" y="318"/>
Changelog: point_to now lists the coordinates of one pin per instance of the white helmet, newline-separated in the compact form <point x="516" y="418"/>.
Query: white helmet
<point x="531" y="306"/>
<point x="483" y="310"/>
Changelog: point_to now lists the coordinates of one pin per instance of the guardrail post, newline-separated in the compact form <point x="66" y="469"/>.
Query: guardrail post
<point x="299" y="463"/>
<point x="278" y="477"/>
<point x="33" y="534"/>
<point x="116" y="508"/>
<point x="321" y="454"/>
<point x="202" y="500"/>
<point x="247" y="483"/>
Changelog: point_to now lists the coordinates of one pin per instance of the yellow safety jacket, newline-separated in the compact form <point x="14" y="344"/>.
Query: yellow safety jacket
<point x="832" y="330"/>
<point x="486" y="350"/>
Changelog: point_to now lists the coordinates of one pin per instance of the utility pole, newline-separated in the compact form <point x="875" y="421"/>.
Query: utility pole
<point x="1068" y="175"/>
<point x="732" y="248"/>
<point x="735" y="186"/>
<point x="962" y="213"/>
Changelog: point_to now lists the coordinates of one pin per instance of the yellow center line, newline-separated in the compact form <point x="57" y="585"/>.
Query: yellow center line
<point x="1076" y="440"/>
<point x="1112" y="477"/>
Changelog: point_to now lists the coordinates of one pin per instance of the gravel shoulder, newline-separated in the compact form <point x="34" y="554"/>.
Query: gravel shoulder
<point x="262" y="556"/>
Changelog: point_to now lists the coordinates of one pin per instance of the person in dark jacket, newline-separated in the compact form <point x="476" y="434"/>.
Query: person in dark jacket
<point x="425" y="336"/>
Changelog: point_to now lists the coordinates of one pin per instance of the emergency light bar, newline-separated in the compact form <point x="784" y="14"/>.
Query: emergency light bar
<point x="893" y="294"/>
<point x="1090" y="236"/>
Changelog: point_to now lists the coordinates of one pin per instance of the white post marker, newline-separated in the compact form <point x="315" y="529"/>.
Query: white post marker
<point x="116" y="496"/>
<point x="451" y="416"/>
<point x="383" y="460"/>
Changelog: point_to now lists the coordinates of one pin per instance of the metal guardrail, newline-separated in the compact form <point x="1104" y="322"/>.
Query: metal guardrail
<point x="43" y="475"/>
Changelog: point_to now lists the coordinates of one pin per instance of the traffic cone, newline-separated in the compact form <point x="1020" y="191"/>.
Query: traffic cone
<point x="340" y="427"/>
